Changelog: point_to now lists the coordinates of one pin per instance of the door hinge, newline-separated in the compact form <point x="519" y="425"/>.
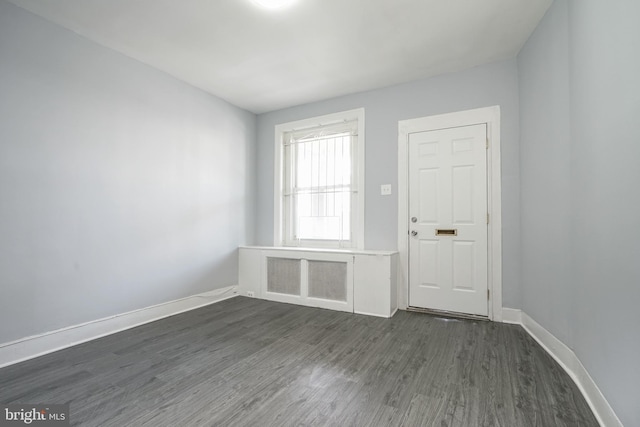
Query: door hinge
<point x="487" y="294"/>
<point x="487" y="218"/>
<point x="487" y="143"/>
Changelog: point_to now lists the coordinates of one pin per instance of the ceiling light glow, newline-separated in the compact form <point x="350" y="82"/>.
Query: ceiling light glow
<point x="274" y="4"/>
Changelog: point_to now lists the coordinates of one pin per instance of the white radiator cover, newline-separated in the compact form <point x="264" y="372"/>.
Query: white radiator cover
<point x="361" y="282"/>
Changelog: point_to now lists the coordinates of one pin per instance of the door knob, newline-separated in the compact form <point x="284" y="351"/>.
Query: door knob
<point x="414" y="233"/>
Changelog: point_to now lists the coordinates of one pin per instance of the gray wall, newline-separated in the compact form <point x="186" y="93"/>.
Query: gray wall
<point x="545" y="171"/>
<point x="494" y="84"/>
<point x="580" y="143"/>
<point x="120" y="187"/>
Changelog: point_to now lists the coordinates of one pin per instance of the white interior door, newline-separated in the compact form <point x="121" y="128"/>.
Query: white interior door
<point x="448" y="220"/>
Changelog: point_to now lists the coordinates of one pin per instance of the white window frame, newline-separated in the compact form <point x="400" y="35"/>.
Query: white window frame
<point x="357" y="226"/>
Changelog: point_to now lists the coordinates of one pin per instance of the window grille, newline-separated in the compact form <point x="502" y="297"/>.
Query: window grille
<point x="320" y="184"/>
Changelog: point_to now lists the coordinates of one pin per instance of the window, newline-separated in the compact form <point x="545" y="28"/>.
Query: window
<point x="319" y="181"/>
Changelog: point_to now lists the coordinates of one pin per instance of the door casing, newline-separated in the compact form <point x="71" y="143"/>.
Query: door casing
<point x="490" y="116"/>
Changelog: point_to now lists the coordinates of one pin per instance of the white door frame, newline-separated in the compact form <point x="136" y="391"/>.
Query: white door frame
<point x="490" y="116"/>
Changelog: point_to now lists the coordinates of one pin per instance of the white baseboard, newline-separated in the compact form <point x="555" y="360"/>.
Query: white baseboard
<point x="38" y="345"/>
<point x="511" y="315"/>
<point x="384" y="316"/>
<point x="568" y="360"/>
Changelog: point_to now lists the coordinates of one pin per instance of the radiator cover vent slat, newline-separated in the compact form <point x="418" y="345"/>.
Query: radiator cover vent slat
<point x="328" y="280"/>
<point x="283" y="275"/>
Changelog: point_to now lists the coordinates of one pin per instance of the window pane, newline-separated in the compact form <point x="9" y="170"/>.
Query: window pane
<point x="321" y="188"/>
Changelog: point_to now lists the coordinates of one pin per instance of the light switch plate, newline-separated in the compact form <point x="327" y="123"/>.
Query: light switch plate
<point x="385" y="189"/>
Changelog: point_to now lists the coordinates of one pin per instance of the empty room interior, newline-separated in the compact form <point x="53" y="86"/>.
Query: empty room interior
<point x="319" y="212"/>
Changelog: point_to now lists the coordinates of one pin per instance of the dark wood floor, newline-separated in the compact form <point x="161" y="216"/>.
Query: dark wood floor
<point x="248" y="362"/>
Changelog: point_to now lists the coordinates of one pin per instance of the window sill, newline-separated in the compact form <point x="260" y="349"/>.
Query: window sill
<point x="323" y="250"/>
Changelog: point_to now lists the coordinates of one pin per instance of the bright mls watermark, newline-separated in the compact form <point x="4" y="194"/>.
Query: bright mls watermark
<point x="19" y="414"/>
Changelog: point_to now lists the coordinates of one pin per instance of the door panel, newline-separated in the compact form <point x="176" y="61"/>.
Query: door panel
<point x="448" y="191"/>
<point x="463" y="265"/>
<point x="462" y="177"/>
<point x="429" y="203"/>
<point x="429" y="262"/>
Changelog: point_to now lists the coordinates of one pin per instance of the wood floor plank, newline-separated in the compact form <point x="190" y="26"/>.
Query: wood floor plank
<point x="248" y="362"/>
